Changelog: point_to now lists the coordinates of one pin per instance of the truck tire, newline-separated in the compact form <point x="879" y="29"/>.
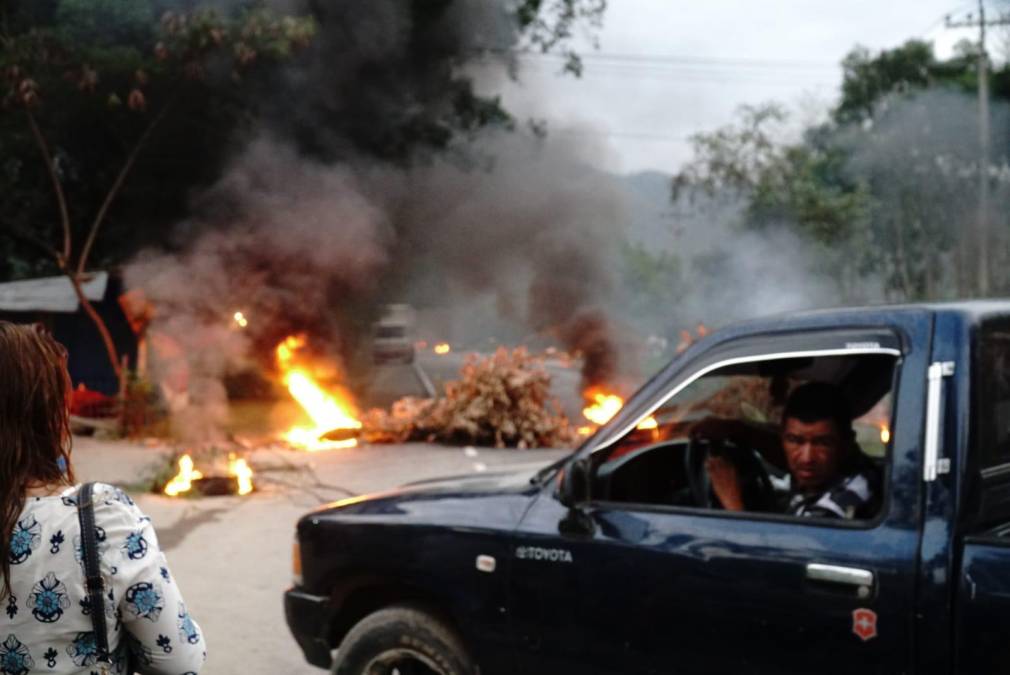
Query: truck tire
<point x="402" y="641"/>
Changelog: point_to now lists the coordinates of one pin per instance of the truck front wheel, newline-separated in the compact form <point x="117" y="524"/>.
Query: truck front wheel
<point x="402" y="641"/>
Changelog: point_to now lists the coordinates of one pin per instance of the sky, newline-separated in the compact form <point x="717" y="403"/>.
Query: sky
<point x="666" y="69"/>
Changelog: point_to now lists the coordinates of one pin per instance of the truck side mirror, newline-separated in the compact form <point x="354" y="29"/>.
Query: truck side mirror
<point x="574" y="487"/>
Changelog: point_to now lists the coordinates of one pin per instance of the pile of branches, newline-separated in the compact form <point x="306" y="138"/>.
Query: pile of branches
<point x="502" y="400"/>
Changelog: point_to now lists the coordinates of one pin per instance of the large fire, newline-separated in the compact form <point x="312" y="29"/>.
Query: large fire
<point x="602" y="408"/>
<point x="334" y="424"/>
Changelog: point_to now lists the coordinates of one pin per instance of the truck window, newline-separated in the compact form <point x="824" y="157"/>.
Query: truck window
<point x="992" y="409"/>
<point x="738" y="414"/>
<point x="991" y="424"/>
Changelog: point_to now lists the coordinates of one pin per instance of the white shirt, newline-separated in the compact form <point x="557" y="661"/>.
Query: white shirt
<point x="45" y="624"/>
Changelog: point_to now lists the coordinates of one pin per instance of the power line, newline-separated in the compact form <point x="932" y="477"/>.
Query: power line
<point x="664" y="59"/>
<point x="632" y="135"/>
<point x="681" y="60"/>
<point x="944" y="17"/>
<point x="981" y="238"/>
<point x="702" y="77"/>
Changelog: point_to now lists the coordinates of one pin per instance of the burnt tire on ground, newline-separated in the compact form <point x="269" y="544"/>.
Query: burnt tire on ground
<point x="402" y="641"/>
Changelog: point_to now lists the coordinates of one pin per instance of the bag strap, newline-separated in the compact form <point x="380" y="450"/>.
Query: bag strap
<point x="94" y="583"/>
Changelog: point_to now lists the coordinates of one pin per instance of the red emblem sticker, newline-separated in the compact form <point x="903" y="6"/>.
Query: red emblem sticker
<point x="864" y="623"/>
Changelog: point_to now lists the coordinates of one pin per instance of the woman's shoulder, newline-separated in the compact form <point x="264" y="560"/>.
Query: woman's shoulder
<point x="101" y="493"/>
<point x="111" y="503"/>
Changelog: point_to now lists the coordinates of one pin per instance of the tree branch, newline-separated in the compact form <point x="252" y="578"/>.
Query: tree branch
<point x="103" y="330"/>
<point x="61" y="199"/>
<point x="117" y="184"/>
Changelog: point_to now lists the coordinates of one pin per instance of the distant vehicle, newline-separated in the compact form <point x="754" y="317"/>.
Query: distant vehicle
<point x="620" y="558"/>
<point x="393" y="335"/>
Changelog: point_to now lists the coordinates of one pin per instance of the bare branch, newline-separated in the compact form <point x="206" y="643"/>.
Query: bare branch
<point x="117" y="184"/>
<point x="61" y="199"/>
<point x="89" y="309"/>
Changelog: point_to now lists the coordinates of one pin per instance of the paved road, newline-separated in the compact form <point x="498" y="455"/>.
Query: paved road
<point x="232" y="555"/>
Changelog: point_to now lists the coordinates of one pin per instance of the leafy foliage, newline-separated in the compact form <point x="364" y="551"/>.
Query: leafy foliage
<point x="95" y="77"/>
<point x="502" y="401"/>
<point x="886" y="190"/>
<point x="550" y="24"/>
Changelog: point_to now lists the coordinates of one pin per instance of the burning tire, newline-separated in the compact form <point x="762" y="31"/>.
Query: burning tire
<point x="402" y="641"/>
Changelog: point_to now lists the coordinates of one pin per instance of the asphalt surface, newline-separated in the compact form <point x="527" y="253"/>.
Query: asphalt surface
<point x="232" y="555"/>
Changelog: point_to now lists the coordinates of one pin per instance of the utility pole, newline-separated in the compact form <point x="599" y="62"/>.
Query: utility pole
<point x="981" y="239"/>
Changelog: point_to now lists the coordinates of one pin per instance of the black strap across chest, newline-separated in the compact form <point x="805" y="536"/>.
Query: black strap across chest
<point x="95" y="585"/>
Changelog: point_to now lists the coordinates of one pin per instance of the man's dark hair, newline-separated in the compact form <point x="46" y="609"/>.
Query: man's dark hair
<point x="816" y="401"/>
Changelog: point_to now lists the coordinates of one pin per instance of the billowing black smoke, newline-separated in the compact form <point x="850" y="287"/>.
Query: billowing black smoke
<point x="363" y="191"/>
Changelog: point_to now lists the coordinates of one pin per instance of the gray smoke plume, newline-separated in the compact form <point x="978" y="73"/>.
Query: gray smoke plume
<point x="300" y="246"/>
<point x="359" y="189"/>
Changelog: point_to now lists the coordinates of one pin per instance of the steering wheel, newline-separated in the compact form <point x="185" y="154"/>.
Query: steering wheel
<point x="755" y="483"/>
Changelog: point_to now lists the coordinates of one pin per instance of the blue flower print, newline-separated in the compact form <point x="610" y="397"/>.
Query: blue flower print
<point x="143" y="600"/>
<point x="27" y="536"/>
<point x="12" y="606"/>
<point x="165" y="643"/>
<point x="118" y="495"/>
<point x="110" y="603"/>
<point x="83" y="651"/>
<point x="50" y="657"/>
<point x="187" y="629"/>
<point x="48" y="599"/>
<point x="69" y="501"/>
<point x="164" y="574"/>
<point x="14" y="657"/>
<point x="55" y="541"/>
<point x="135" y="546"/>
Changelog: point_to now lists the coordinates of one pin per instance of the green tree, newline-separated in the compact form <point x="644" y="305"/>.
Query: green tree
<point x="90" y="85"/>
<point x="802" y="187"/>
<point x="886" y="189"/>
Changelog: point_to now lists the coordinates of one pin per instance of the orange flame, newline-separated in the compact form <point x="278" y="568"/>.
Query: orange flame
<point x="326" y="410"/>
<point x="603" y="407"/>
<point x="885" y="434"/>
<point x="442" y="348"/>
<point x="648" y="424"/>
<point x="239" y="468"/>
<point x="183" y="481"/>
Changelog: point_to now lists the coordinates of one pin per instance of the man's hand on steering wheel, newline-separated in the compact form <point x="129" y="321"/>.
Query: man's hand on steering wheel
<point x="724" y="466"/>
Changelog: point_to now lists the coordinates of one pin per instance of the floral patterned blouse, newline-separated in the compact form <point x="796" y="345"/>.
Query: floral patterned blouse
<point x="45" y="624"/>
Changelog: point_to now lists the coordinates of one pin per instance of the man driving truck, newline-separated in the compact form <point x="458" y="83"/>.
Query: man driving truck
<point x="829" y="477"/>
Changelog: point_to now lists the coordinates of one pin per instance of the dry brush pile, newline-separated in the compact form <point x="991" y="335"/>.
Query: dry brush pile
<point x="502" y="400"/>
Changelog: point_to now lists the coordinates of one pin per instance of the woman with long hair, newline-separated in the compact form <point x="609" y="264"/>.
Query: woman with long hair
<point x="46" y="619"/>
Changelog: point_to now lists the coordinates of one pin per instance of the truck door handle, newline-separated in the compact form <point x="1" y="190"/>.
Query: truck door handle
<point x="837" y="574"/>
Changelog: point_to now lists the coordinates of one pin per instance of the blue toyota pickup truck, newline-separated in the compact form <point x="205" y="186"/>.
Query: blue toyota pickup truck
<point x="623" y="558"/>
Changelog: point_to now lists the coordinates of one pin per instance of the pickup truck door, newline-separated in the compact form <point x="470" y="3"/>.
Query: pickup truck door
<point x="653" y="589"/>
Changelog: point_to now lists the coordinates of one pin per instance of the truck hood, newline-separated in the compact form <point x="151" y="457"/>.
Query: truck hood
<point x="484" y="500"/>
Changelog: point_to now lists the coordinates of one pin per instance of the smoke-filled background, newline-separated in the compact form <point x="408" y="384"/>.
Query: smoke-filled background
<point x="375" y="175"/>
<point x="309" y="170"/>
<point x="358" y="188"/>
